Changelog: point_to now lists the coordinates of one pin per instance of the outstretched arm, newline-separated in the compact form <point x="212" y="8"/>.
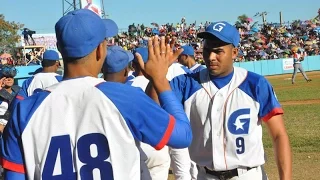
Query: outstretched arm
<point x="9" y="175"/>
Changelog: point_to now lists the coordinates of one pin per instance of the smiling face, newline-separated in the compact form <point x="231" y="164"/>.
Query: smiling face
<point x="219" y="57"/>
<point x="8" y="82"/>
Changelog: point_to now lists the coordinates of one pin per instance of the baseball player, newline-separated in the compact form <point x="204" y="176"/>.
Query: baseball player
<point x="115" y="68"/>
<point x="297" y="58"/>
<point x="85" y="127"/>
<point x="158" y="162"/>
<point x="187" y="59"/>
<point x="226" y="106"/>
<point x="44" y="79"/>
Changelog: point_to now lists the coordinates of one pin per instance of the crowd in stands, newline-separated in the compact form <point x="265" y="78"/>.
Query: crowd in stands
<point x="258" y="42"/>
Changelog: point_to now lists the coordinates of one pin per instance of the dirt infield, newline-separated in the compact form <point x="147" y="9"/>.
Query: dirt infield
<point x="313" y="101"/>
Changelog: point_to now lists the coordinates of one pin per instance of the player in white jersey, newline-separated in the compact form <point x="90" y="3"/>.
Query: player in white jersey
<point x="187" y="59"/>
<point x="226" y="106"/>
<point x="44" y="79"/>
<point x="158" y="162"/>
<point x="85" y="127"/>
<point x="115" y="69"/>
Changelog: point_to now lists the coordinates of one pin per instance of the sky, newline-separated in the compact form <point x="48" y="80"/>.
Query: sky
<point x="41" y="15"/>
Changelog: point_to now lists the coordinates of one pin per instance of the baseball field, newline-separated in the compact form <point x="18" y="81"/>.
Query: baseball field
<point x="301" y="104"/>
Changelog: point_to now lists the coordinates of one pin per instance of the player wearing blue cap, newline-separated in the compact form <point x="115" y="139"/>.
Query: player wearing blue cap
<point x="46" y="78"/>
<point x="187" y="59"/>
<point x="115" y="67"/>
<point x="158" y="162"/>
<point x="85" y="127"/>
<point x="226" y="106"/>
<point x="138" y="79"/>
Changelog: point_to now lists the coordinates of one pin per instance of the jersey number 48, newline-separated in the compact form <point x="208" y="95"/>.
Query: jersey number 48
<point x="60" y="145"/>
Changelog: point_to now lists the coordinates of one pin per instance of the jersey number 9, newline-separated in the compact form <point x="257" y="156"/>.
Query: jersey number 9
<point x="240" y="145"/>
<point x="90" y="162"/>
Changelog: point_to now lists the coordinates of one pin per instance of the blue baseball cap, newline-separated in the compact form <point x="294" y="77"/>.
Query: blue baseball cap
<point x="188" y="50"/>
<point x="223" y="31"/>
<point x="79" y="32"/>
<point x="50" y="55"/>
<point x="143" y="51"/>
<point x="117" y="59"/>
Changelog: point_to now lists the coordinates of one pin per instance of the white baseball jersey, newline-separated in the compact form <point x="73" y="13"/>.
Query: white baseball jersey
<point x="197" y="68"/>
<point x="4" y="105"/>
<point x="85" y="128"/>
<point x="174" y="70"/>
<point x="226" y="122"/>
<point x="158" y="162"/>
<point x="38" y="82"/>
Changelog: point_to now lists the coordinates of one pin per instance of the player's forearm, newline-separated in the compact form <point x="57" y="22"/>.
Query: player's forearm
<point x="283" y="156"/>
<point x="161" y="85"/>
<point x="157" y="86"/>
<point x="181" y="136"/>
<point x="9" y="175"/>
<point x="151" y="92"/>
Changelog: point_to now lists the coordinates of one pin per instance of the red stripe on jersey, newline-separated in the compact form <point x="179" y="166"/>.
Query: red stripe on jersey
<point x="19" y="97"/>
<point x="12" y="166"/>
<point x="167" y="134"/>
<point x="274" y="112"/>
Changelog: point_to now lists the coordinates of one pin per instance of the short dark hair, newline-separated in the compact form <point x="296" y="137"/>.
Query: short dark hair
<point x="48" y="63"/>
<point x="191" y="56"/>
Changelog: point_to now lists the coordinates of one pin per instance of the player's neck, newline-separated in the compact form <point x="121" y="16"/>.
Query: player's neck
<point x="115" y="77"/>
<point x="138" y="73"/>
<point x="48" y="70"/>
<point x="191" y="63"/>
<point x="75" y="71"/>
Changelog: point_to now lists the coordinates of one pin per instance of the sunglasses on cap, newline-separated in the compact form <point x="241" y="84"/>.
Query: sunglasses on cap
<point x="8" y="71"/>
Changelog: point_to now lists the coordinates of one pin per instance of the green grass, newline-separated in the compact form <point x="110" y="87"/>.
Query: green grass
<point x="301" y="90"/>
<point x="303" y="126"/>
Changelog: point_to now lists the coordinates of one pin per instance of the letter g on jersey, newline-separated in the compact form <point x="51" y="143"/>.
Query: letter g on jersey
<point x="239" y="121"/>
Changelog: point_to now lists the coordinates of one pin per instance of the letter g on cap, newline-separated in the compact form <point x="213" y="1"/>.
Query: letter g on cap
<point x="218" y="27"/>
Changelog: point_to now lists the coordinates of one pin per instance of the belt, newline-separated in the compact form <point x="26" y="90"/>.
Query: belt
<point x="224" y="175"/>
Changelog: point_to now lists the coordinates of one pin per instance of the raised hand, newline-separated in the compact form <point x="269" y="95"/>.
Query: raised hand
<point x="173" y="54"/>
<point x="2" y="82"/>
<point x="161" y="56"/>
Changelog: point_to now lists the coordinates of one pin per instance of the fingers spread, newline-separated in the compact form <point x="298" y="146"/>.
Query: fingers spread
<point x="162" y="47"/>
<point x="156" y="46"/>
<point x="140" y="60"/>
<point x="150" y="48"/>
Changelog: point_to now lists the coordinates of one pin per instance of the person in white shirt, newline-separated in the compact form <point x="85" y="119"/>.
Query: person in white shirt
<point x="187" y="59"/>
<point x="42" y="80"/>
<point x="92" y="7"/>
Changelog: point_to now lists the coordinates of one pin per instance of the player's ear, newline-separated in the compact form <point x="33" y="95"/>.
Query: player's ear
<point x="126" y="72"/>
<point x="235" y="52"/>
<point x="101" y="51"/>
